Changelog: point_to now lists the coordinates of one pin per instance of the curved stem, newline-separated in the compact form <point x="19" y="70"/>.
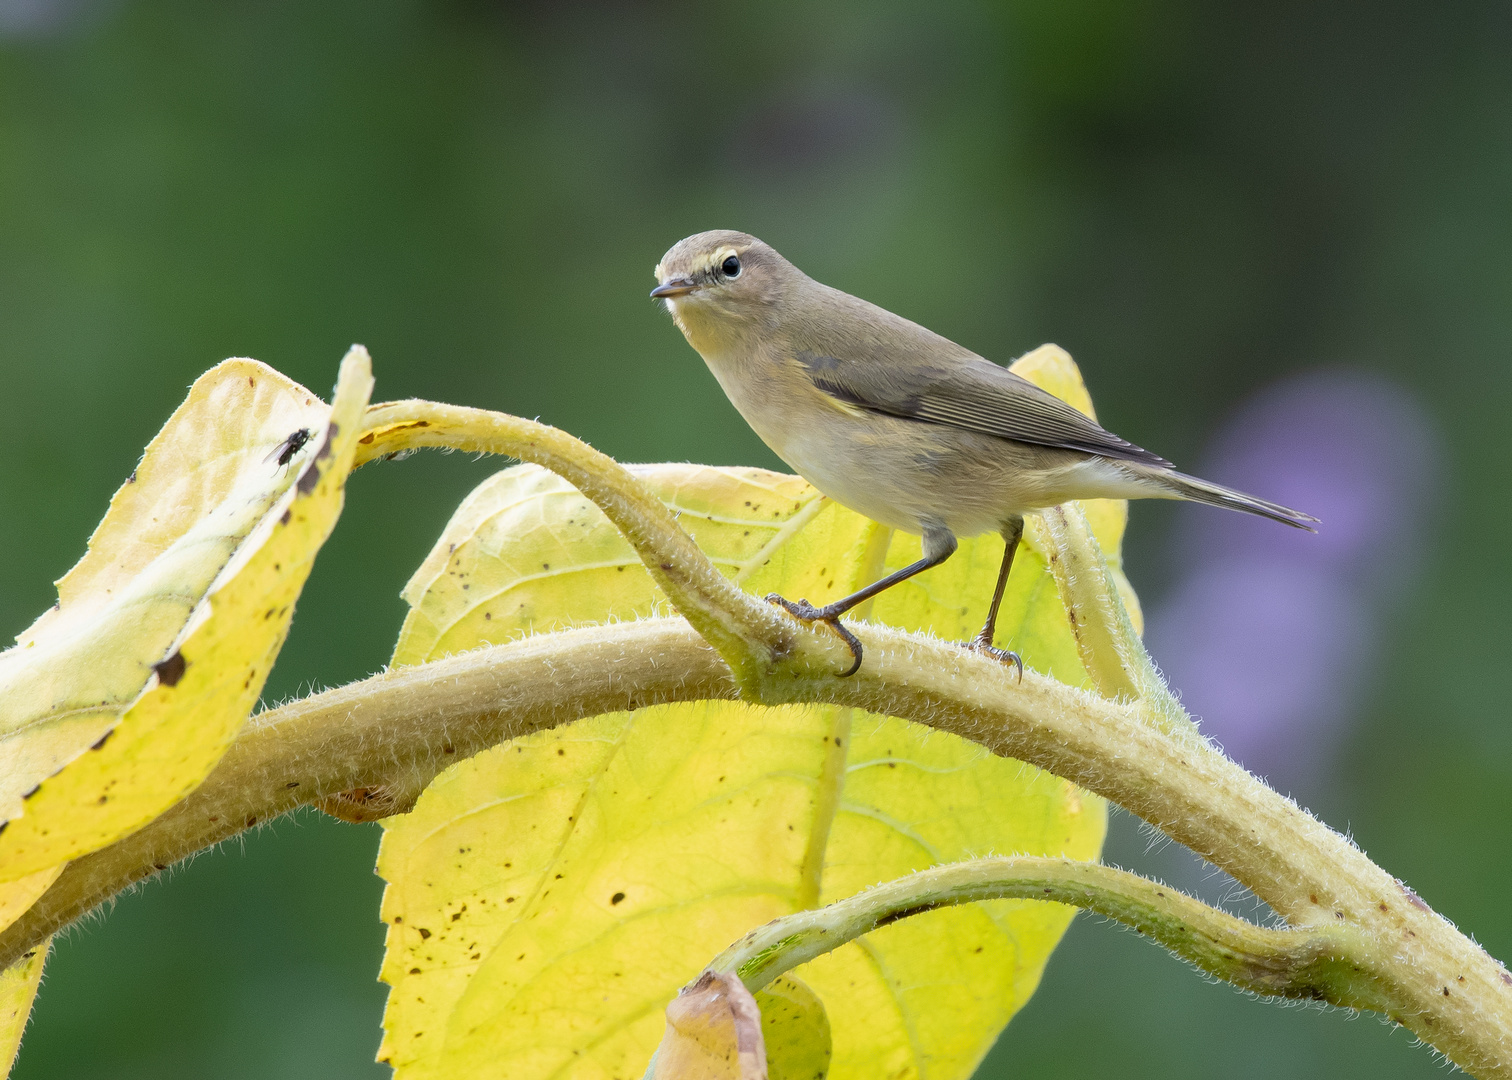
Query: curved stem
<point x="403" y="727"/>
<point x="1151" y="760"/>
<point x="756" y="640"/>
<point x="400" y="728"/>
<point x="1319" y="964"/>
<point x="396" y="731"/>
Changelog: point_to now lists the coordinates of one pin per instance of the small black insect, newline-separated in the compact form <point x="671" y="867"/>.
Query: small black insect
<point x="286" y="450"/>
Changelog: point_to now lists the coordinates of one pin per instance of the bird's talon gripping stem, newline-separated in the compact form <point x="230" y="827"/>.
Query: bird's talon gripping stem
<point x="1006" y="656"/>
<point x="802" y="609"/>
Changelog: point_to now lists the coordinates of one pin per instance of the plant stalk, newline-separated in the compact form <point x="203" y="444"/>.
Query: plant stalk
<point x="1141" y="751"/>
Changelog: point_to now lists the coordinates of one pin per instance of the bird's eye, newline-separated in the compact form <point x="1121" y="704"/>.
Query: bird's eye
<point x="730" y="268"/>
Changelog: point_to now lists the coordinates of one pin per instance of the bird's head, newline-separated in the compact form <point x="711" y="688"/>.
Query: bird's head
<point x="722" y="284"/>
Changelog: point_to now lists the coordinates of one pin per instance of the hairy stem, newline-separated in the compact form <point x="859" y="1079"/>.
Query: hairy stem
<point x="1316" y="964"/>
<point x="393" y="731"/>
<point x="1150" y="760"/>
<point x="405" y="726"/>
<point x="757" y="640"/>
<point x="1142" y="752"/>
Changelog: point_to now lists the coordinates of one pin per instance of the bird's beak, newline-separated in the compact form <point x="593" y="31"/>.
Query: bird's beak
<point x="676" y="287"/>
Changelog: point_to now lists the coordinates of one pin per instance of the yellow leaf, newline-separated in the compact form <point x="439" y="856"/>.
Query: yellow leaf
<point x="795" y="1029"/>
<point x="548" y="897"/>
<point x="18" y="895"/>
<point x="504" y="556"/>
<point x="18" y="989"/>
<point x="120" y="700"/>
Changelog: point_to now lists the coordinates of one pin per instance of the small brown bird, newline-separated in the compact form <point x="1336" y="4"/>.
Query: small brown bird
<point x="897" y="422"/>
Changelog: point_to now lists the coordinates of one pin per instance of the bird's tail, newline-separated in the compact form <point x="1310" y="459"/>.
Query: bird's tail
<point x="1187" y="487"/>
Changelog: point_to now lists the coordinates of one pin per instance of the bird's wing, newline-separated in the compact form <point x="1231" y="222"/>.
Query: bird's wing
<point x="969" y="393"/>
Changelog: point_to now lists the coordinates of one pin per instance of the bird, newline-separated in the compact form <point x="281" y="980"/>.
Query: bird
<point x="898" y="423"/>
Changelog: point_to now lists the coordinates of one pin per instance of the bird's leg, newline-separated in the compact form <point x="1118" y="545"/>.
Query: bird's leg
<point x="939" y="545"/>
<point x="1013" y="531"/>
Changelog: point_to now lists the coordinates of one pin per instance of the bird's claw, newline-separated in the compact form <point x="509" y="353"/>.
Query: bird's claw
<point x="1005" y="656"/>
<point x="802" y="609"/>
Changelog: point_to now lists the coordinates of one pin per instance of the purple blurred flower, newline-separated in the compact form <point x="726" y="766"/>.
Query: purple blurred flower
<point x="1271" y="633"/>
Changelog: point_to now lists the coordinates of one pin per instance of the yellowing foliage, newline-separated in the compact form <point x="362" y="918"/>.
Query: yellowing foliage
<point x="118" y="701"/>
<point x="18" y="988"/>
<point x="548" y="897"/>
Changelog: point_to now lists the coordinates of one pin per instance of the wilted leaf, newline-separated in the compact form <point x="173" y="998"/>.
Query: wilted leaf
<point x="713" y="1033"/>
<point x="116" y="703"/>
<point x="717" y="1030"/>
<point x="18" y="989"/>
<point x="549" y="896"/>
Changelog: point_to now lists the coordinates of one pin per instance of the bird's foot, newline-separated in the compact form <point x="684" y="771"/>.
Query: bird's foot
<point x="982" y="644"/>
<point x="802" y="609"/>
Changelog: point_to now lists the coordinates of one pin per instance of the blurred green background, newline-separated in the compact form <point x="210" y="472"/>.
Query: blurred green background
<point x="1195" y="199"/>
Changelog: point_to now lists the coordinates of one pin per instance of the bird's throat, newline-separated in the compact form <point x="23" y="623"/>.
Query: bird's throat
<point x="707" y="331"/>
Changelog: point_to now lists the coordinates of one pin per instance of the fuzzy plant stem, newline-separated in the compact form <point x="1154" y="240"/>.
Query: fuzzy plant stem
<point x="1131" y="743"/>
<point x="1315" y="965"/>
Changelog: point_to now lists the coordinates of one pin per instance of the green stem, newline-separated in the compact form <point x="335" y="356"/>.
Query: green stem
<point x="1151" y="760"/>
<point x="757" y="640"/>
<point x="399" y="729"/>
<point x="1323" y="964"/>
<point x="1111" y="651"/>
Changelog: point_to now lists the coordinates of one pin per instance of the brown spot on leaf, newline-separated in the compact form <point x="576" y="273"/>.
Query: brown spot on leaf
<point x="171" y="670"/>
<point x="616" y="898"/>
<point x="424" y="933"/>
<point x="309" y="478"/>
